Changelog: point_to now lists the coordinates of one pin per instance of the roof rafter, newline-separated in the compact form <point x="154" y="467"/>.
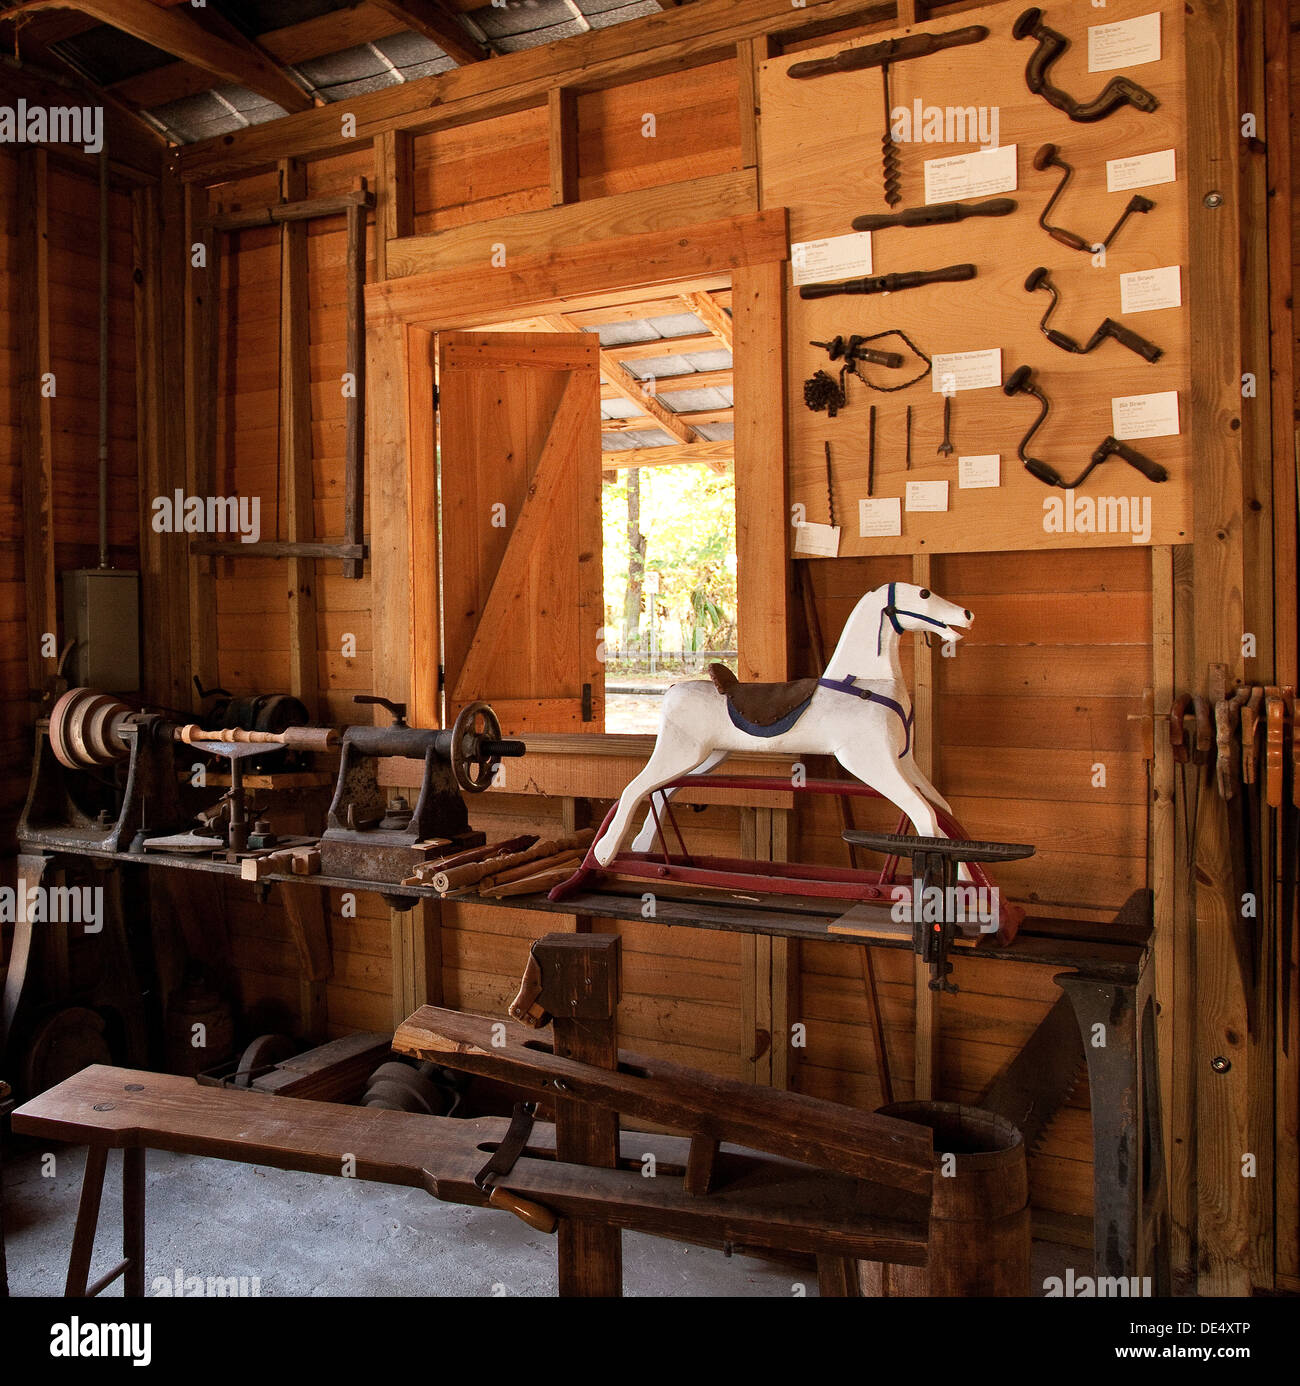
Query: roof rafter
<point x="234" y="59"/>
<point x="435" y="21"/>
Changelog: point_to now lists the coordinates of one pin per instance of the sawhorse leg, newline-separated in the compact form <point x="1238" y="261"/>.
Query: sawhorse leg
<point x="1130" y="1200"/>
<point x="131" y="1266"/>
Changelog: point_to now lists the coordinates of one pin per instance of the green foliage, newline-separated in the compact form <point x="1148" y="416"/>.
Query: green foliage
<point x="688" y="514"/>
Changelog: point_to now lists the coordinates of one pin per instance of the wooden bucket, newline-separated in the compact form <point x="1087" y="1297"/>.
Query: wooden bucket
<point x="979" y="1220"/>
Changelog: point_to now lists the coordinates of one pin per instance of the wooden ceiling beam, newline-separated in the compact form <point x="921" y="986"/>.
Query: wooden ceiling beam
<point x="438" y="23"/>
<point x="295" y="43"/>
<point x="236" y="60"/>
<point x="716" y="456"/>
<point x="627" y="386"/>
<point x="712" y="315"/>
<point x="664" y="346"/>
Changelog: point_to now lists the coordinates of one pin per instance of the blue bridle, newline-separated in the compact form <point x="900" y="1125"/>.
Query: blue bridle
<point x="891" y="611"/>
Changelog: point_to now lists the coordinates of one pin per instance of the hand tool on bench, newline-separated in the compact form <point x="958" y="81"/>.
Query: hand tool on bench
<point x="883" y="55"/>
<point x="1110" y="330"/>
<point x="940" y="214"/>
<point x="503" y="1160"/>
<point x="891" y="283"/>
<point x="1119" y="91"/>
<point x="1049" y="156"/>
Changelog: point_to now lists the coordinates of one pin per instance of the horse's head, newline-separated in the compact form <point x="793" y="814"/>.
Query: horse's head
<point x="907" y="607"/>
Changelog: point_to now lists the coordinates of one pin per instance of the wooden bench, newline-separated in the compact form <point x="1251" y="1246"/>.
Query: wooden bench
<point x="758" y="1202"/>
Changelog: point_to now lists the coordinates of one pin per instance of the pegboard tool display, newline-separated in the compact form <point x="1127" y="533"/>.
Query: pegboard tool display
<point x="1029" y="239"/>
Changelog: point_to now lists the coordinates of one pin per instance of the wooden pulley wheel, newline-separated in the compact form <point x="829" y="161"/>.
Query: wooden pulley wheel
<point x="404" y="1085"/>
<point x="63" y="1044"/>
<point x="81" y="729"/>
<point x="262" y="1054"/>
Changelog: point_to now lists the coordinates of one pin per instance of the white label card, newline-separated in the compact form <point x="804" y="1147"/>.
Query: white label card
<point x="1145" y="416"/>
<point x="976" y="473"/>
<point x="966" y="370"/>
<point x="836" y="257"/>
<point x="1129" y="43"/>
<point x="817" y="541"/>
<point x="971" y="175"/>
<point x="1141" y="171"/>
<point x="1143" y="291"/>
<point x="880" y="519"/>
<point x="927" y="495"/>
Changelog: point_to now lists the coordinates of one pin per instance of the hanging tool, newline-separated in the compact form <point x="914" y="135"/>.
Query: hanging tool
<point x="890" y="283"/>
<point x="852" y="349"/>
<point x="1252" y="721"/>
<point x="871" y="448"/>
<point x="1109" y="329"/>
<point x="1049" y="156"/>
<point x="945" y="448"/>
<point x="830" y="487"/>
<point x="1228" y="767"/>
<point x="891" y="157"/>
<point x="911" y="345"/>
<point x="883" y="55"/>
<point x="1021" y="382"/>
<point x="908" y="434"/>
<point x="940" y="214"/>
<point x="824" y="392"/>
<point x="894" y="50"/>
<point x="1290" y="865"/>
<point x="1196" y="755"/>
<point x="1119" y="91"/>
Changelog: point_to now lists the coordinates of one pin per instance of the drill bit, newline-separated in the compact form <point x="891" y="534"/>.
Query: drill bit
<point x="871" y="449"/>
<point x="891" y="155"/>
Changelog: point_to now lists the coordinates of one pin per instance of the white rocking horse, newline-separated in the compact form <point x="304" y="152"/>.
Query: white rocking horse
<point x="859" y="711"/>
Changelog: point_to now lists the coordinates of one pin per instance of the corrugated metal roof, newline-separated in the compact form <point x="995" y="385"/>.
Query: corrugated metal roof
<point x="105" y="55"/>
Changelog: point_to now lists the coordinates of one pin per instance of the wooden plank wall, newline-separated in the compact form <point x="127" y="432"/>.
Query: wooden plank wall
<point x="73" y="202"/>
<point x="1017" y="738"/>
<point x="681" y="993"/>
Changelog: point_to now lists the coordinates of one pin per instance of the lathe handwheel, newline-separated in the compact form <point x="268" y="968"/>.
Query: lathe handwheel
<point x="472" y="767"/>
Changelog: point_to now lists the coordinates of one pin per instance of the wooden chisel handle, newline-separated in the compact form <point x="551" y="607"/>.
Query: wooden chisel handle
<point x="1275" y="739"/>
<point x="1250" y="720"/>
<point x="532" y="1213"/>
<point x="940" y="214"/>
<point x="894" y="50"/>
<point x="1227" y="766"/>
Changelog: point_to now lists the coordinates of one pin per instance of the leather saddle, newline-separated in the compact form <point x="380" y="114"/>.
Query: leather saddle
<point x="762" y="704"/>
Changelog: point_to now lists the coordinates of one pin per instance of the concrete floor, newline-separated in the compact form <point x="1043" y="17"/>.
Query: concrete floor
<point x="305" y="1234"/>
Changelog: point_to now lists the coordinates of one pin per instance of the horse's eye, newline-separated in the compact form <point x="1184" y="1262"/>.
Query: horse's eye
<point x="924" y="593"/>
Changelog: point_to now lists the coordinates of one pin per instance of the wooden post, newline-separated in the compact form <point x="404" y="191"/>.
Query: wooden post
<point x="36" y="388"/>
<point x="394" y="198"/>
<point x="295" y="441"/>
<point x="562" y="109"/>
<point x="1222" y="1057"/>
<point x="925" y="1002"/>
<point x="415" y="936"/>
<point x="305" y="912"/>
<point x="581" y="985"/>
<point x="203" y="291"/>
<point x="749" y="54"/>
<point x="762" y="541"/>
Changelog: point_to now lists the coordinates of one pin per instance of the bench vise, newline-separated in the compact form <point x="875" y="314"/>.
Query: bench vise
<point x="371" y="838"/>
